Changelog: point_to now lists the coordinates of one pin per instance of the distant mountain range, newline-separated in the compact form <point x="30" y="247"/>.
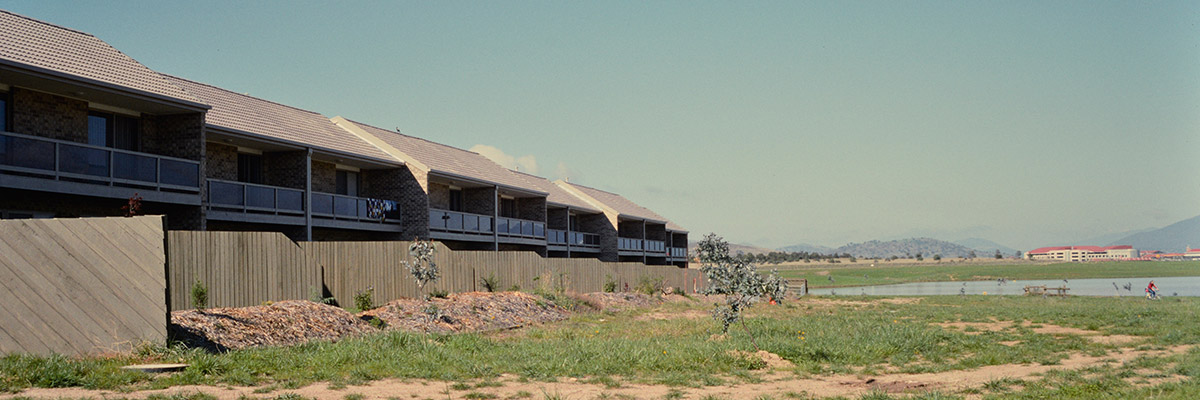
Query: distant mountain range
<point x="1174" y="238"/>
<point x="734" y="249"/>
<point x="807" y="248"/>
<point x="909" y="247"/>
<point x="984" y="246"/>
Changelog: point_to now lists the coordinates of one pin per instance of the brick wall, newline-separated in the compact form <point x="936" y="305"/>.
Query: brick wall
<point x="556" y="218"/>
<point x="656" y="232"/>
<point x="285" y="168"/>
<point x="403" y="186"/>
<point x="531" y="208"/>
<point x="439" y="196"/>
<point x="600" y="225"/>
<point x="324" y="177"/>
<point x="179" y="136"/>
<point x="46" y="115"/>
<point x="631" y="229"/>
<point x="221" y="161"/>
<point x="479" y="200"/>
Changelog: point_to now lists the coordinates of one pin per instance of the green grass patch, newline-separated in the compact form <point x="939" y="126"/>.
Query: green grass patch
<point x="884" y="274"/>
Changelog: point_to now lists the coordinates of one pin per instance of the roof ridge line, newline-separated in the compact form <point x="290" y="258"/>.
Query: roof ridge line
<point x="48" y="23"/>
<point x="239" y="94"/>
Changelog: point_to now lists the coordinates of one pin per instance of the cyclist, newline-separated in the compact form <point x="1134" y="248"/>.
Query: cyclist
<point x="1152" y="291"/>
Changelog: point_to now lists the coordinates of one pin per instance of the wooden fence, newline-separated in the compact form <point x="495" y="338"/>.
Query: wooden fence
<point x="249" y="268"/>
<point x="81" y="285"/>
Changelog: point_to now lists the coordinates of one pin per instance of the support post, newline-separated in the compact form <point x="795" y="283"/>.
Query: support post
<point x="308" y="194"/>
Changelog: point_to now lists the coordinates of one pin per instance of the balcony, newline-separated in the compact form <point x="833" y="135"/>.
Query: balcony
<point x="357" y="209"/>
<point x="520" y="228"/>
<point x="656" y="246"/>
<point x="561" y="240"/>
<point x="459" y="223"/>
<point x="678" y="252"/>
<point x="629" y="245"/>
<point x="36" y="163"/>
<point x="250" y="202"/>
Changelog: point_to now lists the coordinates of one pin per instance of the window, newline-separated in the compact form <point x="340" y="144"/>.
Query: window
<point x="573" y="223"/>
<point x="508" y="207"/>
<point x="3" y="112"/>
<point x="111" y="130"/>
<point x="249" y="168"/>
<point x="456" y="200"/>
<point x="347" y="183"/>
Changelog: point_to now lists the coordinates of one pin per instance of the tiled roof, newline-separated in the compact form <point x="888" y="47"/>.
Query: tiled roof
<point x="449" y="160"/>
<point x="624" y="206"/>
<point x="32" y="43"/>
<point x="556" y="194"/>
<point x="244" y="113"/>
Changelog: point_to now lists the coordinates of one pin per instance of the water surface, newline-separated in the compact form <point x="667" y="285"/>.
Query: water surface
<point x="1167" y="286"/>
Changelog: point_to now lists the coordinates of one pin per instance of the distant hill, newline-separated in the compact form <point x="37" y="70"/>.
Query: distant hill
<point x="1104" y="240"/>
<point x="734" y="249"/>
<point x="984" y="246"/>
<point x="907" y="247"/>
<point x="1173" y="238"/>
<point x="807" y="248"/>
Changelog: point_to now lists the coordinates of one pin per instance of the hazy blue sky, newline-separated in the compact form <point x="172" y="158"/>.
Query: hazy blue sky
<point x="1028" y="123"/>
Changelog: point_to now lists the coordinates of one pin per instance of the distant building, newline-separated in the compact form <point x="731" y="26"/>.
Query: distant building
<point x="1084" y="253"/>
<point x="1191" y="254"/>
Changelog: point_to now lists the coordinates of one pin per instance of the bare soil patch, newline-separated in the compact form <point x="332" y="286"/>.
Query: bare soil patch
<point x="618" y="301"/>
<point x="686" y="314"/>
<point x="467" y="312"/>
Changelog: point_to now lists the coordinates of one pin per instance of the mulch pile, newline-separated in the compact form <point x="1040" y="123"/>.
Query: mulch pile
<point x="468" y="312"/>
<point x="618" y="301"/>
<point x="280" y="324"/>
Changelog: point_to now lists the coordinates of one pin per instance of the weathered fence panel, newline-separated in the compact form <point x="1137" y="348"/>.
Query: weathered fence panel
<point x="239" y="268"/>
<point x="82" y="285"/>
<point x="248" y="268"/>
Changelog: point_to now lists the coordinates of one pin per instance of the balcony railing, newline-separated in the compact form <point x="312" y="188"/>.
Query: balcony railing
<point x="520" y="228"/>
<point x="336" y="206"/>
<point x="627" y="244"/>
<point x="250" y="197"/>
<point x="62" y="159"/>
<point x="563" y="238"/>
<point x="678" y="252"/>
<point x="656" y="246"/>
<point x="459" y="222"/>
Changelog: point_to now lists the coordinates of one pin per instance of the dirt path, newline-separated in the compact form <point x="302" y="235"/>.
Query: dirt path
<point x="777" y="381"/>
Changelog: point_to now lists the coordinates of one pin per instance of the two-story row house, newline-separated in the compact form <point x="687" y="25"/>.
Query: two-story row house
<point x="85" y="128"/>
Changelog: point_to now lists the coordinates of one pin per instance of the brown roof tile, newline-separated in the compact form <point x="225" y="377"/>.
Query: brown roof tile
<point x="622" y="205"/>
<point x="556" y="194"/>
<point x="31" y="43"/>
<point x="239" y="112"/>
<point x="449" y="160"/>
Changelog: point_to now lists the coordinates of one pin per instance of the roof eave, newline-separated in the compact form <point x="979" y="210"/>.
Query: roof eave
<point x="69" y="78"/>
<point x="275" y="140"/>
<point x="487" y="182"/>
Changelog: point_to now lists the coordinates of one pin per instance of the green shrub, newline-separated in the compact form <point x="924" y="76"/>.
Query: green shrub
<point x="377" y="323"/>
<point x="609" y="284"/>
<point x="440" y="293"/>
<point x="199" y="295"/>
<point x="365" y="300"/>
<point x="489" y="283"/>
<point x="649" y="285"/>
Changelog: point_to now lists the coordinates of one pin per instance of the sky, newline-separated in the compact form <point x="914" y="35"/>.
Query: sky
<point x="1029" y="123"/>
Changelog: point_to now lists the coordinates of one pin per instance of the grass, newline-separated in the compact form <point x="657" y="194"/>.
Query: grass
<point x="884" y="274"/>
<point x="610" y="349"/>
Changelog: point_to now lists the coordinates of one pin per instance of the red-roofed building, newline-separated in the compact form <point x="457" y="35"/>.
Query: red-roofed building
<point x="1084" y="253"/>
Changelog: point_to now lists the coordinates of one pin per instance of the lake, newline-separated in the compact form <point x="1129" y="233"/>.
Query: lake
<point x="1167" y="286"/>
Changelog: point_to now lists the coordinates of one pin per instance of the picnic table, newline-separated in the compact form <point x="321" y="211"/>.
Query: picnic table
<point x="1046" y="291"/>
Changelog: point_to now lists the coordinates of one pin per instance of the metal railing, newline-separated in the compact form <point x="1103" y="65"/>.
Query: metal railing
<point x="678" y="252"/>
<point x="628" y="244"/>
<point x="63" y="159"/>
<point x="459" y="222"/>
<point x="336" y="206"/>
<point x="521" y="228"/>
<point x="251" y="197"/>
<point x="656" y="246"/>
<point x="581" y="239"/>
